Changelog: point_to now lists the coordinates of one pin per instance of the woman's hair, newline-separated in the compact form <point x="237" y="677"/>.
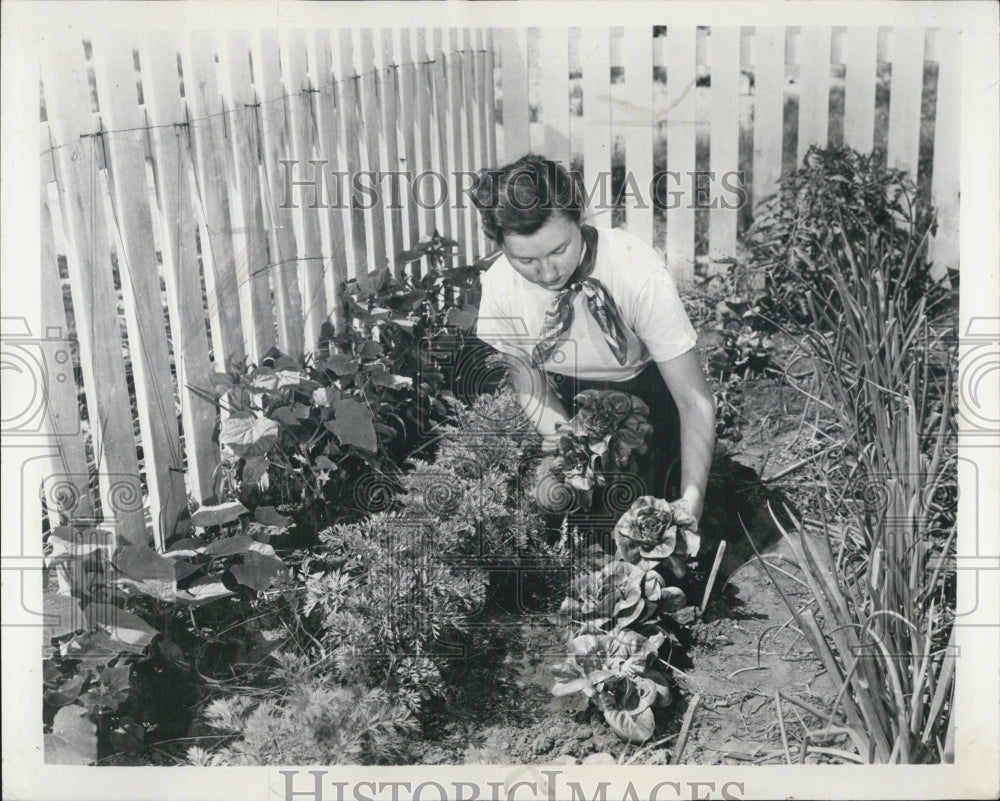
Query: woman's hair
<point x="521" y="197"/>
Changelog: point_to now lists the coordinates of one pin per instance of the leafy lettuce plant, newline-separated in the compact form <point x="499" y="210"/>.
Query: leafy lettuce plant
<point x="617" y="596"/>
<point x="655" y="534"/>
<point x="620" y="672"/>
<point x="617" y="617"/>
<point x="609" y="428"/>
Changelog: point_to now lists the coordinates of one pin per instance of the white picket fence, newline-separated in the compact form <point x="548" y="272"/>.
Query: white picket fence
<point x="685" y="84"/>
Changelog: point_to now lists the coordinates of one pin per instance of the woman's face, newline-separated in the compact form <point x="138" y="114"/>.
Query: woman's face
<point x="549" y="256"/>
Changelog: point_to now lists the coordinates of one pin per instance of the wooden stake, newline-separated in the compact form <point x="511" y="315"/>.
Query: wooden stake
<point x="685" y="729"/>
<point x="711" y="576"/>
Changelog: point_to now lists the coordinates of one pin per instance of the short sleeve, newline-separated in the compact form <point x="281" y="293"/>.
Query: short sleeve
<point x="659" y="319"/>
<point x="495" y="325"/>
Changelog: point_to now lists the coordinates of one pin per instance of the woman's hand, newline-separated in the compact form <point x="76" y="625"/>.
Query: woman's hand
<point x="540" y="404"/>
<point x="685" y="515"/>
<point x="551" y="493"/>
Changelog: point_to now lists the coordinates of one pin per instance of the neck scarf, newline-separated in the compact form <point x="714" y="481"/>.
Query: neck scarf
<point x="601" y="305"/>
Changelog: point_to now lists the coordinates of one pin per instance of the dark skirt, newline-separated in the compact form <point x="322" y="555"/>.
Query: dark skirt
<point x="658" y="472"/>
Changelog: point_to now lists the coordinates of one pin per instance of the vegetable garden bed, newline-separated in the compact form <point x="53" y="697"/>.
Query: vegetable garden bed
<point x="380" y="585"/>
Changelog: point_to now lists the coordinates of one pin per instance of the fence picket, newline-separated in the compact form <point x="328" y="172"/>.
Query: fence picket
<point x="768" y="112"/>
<point x="637" y="134"/>
<point x="491" y="99"/>
<point x="140" y="281"/>
<point x="371" y="122"/>
<point x="455" y="87"/>
<point x="681" y="117"/>
<point x="408" y="81"/>
<point x="859" y="88"/>
<point x="442" y="111"/>
<point x="425" y="104"/>
<point x="904" y="99"/>
<point x="211" y="203"/>
<point x="725" y="148"/>
<point x="395" y="187"/>
<point x="514" y="101"/>
<point x="473" y="159"/>
<point x="172" y="168"/>
<point x="484" y="98"/>
<point x="67" y="490"/>
<point x="330" y="147"/>
<point x="553" y="63"/>
<point x="351" y="132"/>
<point x="595" y="56"/>
<point x="95" y="308"/>
<point x="253" y="272"/>
<point x="305" y="221"/>
<point x="273" y="134"/>
<point x="814" y="89"/>
<point x="946" y="177"/>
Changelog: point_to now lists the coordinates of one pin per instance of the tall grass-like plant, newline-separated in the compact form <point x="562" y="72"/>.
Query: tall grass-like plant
<point x="881" y="614"/>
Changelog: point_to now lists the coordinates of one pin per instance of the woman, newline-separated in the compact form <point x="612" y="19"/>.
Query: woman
<point x="573" y="308"/>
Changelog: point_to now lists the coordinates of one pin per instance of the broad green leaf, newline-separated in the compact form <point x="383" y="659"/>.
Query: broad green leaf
<point x="263" y="549"/>
<point x="96" y="646"/>
<point x="73" y="740"/>
<point x="464" y="318"/>
<point x="183" y="569"/>
<point x="279" y="379"/>
<point x="219" y="515"/>
<point x="352" y="424"/>
<point x="127" y="631"/>
<point x="626" y="615"/>
<point x="579" y="685"/>
<point x="269" y="516"/>
<point x="229" y="545"/>
<point x="62" y="616"/>
<point x="145" y="570"/>
<point x="324" y="463"/>
<point x="325" y="396"/>
<point x="291" y="415"/>
<point x="370" y="350"/>
<point x="112" y="688"/>
<point x="203" y="590"/>
<point x="383" y="378"/>
<point x="254" y="470"/>
<point x="257" y="571"/>
<point x="66" y="693"/>
<point x="659" y="551"/>
<point x="632" y="728"/>
<point x="78" y="542"/>
<point x="248" y="436"/>
<point x="672" y="599"/>
<point x="187" y="546"/>
<point x="406" y="325"/>
<point x="341" y="364"/>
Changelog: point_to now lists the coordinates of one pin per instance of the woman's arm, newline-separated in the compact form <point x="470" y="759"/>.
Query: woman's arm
<point x="536" y="397"/>
<point x="686" y="381"/>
